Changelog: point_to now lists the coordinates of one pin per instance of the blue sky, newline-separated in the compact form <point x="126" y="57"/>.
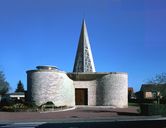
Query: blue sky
<point x="125" y="35"/>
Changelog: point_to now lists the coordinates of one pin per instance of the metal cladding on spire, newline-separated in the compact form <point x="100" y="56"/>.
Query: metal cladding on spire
<point x="84" y="59"/>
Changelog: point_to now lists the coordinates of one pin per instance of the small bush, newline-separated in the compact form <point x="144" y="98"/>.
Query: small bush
<point x="7" y="109"/>
<point x="19" y="107"/>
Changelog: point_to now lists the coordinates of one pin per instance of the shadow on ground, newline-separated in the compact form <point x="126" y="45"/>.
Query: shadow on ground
<point x="119" y="124"/>
<point x="128" y="114"/>
<point x="99" y="111"/>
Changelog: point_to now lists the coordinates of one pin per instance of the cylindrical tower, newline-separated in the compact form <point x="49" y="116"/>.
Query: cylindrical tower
<point x="113" y="90"/>
<point x="48" y="84"/>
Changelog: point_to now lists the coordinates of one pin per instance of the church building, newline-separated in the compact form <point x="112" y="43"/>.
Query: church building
<point x="83" y="86"/>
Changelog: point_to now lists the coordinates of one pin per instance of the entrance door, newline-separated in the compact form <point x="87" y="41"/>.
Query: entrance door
<point x="81" y="96"/>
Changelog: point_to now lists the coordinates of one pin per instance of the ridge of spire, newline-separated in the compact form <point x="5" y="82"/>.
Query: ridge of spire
<point x="84" y="59"/>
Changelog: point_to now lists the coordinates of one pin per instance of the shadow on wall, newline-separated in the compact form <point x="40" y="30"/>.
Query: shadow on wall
<point x="99" y="93"/>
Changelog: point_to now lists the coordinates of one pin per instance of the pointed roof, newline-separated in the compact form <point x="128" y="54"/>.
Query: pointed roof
<point x="84" y="59"/>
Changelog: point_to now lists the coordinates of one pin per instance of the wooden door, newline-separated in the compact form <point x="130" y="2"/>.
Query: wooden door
<point x="81" y="96"/>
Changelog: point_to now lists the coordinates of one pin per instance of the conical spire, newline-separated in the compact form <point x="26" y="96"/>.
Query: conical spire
<point x="84" y="59"/>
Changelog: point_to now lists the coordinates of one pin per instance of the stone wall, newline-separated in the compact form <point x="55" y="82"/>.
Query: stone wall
<point x="112" y="90"/>
<point x="45" y="85"/>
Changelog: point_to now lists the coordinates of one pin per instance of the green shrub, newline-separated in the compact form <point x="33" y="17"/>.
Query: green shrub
<point x="153" y="109"/>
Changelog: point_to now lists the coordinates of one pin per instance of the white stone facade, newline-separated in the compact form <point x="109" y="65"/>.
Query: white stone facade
<point x="50" y="85"/>
<point x="104" y="89"/>
<point x="113" y="88"/>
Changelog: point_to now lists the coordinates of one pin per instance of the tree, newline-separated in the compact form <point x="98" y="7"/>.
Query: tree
<point x="20" y="87"/>
<point x="158" y="79"/>
<point x="4" y="85"/>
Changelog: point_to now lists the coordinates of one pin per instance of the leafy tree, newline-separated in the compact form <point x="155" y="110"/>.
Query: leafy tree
<point x="158" y="79"/>
<point x="4" y="85"/>
<point x="20" y="87"/>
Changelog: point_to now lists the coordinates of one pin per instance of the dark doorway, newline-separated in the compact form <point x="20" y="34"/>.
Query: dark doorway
<point x="81" y="96"/>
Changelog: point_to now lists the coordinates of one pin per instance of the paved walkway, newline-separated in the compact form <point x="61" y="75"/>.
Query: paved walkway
<point x="78" y="113"/>
<point x="82" y="117"/>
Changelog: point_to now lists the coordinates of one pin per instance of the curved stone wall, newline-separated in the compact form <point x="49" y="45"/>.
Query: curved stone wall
<point x="112" y="90"/>
<point x="50" y="85"/>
